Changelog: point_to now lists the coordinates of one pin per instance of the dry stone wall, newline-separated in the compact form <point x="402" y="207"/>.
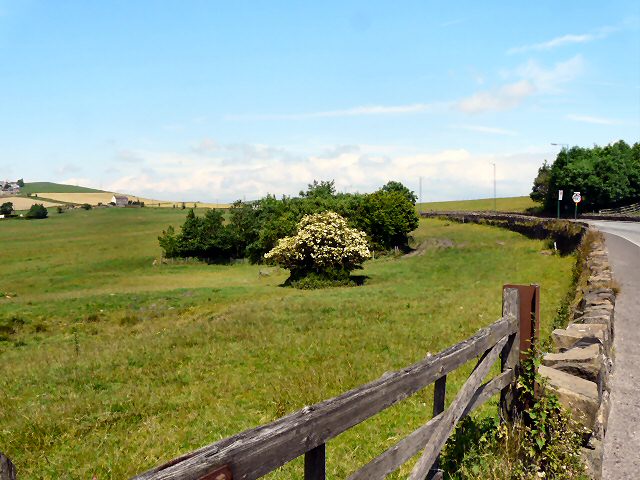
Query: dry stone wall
<point x="579" y="368"/>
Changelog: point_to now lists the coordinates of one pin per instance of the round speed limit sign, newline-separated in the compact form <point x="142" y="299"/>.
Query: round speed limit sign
<point x="576" y="197"/>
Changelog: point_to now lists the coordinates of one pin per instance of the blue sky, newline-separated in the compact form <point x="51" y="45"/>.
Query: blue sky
<point x="216" y="101"/>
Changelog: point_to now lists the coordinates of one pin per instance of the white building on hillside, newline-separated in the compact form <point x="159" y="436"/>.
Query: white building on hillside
<point x="120" y="200"/>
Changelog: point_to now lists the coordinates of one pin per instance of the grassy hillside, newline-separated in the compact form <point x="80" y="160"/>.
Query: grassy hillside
<point x="38" y="187"/>
<point x="508" y="204"/>
<point x="110" y="365"/>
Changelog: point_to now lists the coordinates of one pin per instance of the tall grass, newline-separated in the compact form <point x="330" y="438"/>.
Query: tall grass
<point x="117" y="365"/>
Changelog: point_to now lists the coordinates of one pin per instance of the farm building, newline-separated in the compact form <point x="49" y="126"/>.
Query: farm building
<point x="120" y="200"/>
<point x="9" y="188"/>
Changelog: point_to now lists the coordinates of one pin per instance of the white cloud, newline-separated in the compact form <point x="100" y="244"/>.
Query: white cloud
<point x="506" y="97"/>
<point x="485" y="129"/>
<point x="553" y="43"/>
<point x="563" y="40"/>
<point x="447" y="174"/>
<point x="591" y="119"/>
<point x="450" y="23"/>
<point x="549" y="80"/>
<point x="347" y="112"/>
<point x="532" y="79"/>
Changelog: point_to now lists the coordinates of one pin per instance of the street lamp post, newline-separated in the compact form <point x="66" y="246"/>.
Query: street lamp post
<point x="565" y="146"/>
<point x="495" y="202"/>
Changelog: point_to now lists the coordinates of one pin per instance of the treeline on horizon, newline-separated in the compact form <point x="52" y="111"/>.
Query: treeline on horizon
<point x="251" y="229"/>
<point x="606" y="177"/>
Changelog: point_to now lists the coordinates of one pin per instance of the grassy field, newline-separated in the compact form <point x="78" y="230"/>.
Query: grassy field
<point x="110" y="365"/>
<point x="509" y="204"/>
<point x="37" y="187"/>
<point x="24" y="203"/>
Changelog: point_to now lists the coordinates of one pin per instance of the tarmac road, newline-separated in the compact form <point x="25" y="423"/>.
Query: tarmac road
<point x="622" y="441"/>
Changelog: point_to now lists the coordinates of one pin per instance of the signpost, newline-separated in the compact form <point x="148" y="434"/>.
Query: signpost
<point x="560" y="192"/>
<point x="576" y="199"/>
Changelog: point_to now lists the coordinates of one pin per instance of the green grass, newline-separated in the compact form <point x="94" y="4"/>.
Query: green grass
<point x="509" y="204"/>
<point x="49" y="187"/>
<point x="110" y="365"/>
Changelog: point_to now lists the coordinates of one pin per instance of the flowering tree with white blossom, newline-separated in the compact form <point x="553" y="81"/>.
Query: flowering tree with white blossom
<point x="324" y="245"/>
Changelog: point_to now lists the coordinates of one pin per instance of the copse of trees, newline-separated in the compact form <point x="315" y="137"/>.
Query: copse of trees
<point x="6" y="208"/>
<point x="253" y="228"/>
<point x="36" y="211"/>
<point x="606" y="177"/>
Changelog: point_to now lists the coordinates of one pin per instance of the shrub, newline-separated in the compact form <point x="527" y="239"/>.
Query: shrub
<point x="6" y="208"/>
<point x="325" y="247"/>
<point x="86" y="206"/>
<point x="37" y="210"/>
<point x="388" y="217"/>
<point x="544" y="442"/>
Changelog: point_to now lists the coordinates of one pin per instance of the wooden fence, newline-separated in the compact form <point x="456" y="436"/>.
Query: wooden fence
<point x="256" y="452"/>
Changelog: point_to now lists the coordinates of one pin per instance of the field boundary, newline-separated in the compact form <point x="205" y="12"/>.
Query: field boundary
<point x="256" y="452"/>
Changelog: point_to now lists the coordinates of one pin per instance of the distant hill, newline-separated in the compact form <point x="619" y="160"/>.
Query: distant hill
<point x="508" y="204"/>
<point x="49" y="187"/>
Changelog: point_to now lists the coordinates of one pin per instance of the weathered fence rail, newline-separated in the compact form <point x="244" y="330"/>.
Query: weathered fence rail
<point x="256" y="452"/>
<point x="622" y="210"/>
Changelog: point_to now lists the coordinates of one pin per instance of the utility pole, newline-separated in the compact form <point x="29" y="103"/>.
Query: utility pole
<point x="495" y="201"/>
<point x="565" y="147"/>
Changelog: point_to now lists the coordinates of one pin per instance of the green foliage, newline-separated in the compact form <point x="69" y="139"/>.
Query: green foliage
<point x="605" y="176"/>
<point x="544" y="442"/>
<point x="541" y="183"/>
<point x="6" y="208"/>
<point x="20" y="183"/>
<point x="86" y="206"/>
<point x="393" y="186"/>
<point x="37" y="210"/>
<point x="254" y="228"/>
<point x="322" y="189"/>
<point x="387" y="217"/>
<point x="30" y="188"/>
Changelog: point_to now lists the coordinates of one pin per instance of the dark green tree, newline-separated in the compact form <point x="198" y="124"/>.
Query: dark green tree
<point x="37" y="211"/>
<point x="387" y="218"/>
<point x="6" y="208"/>
<point x="393" y="186"/>
<point x="541" y="183"/>
<point x="320" y="189"/>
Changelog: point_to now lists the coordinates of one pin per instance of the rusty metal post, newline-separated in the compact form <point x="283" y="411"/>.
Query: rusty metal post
<point x="529" y="317"/>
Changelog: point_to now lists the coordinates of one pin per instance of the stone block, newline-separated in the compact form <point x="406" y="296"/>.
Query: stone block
<point x="579" y="396"/>
<point x="592" y="456"/>
<point x="585" y="360"/>
<point x="602" y="417"/>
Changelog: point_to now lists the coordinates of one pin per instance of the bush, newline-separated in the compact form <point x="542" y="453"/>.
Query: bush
<point x="388" y="217"/>
<point x="86" y="206"/>
<point x="6" y="208"/>
<point x="37" y="210"/>
<point x="325" y="247"/>
<point x="254" y="228"/>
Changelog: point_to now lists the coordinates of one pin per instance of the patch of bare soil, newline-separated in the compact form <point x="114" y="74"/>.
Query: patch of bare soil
<point x="433" y="244"/>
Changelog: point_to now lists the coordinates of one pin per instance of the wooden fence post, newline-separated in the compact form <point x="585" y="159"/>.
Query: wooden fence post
<point x="315" y="463"/>
<point x="439" y="396"/>
<point x="510" y="355"/>
<point x="7" y="470"/>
